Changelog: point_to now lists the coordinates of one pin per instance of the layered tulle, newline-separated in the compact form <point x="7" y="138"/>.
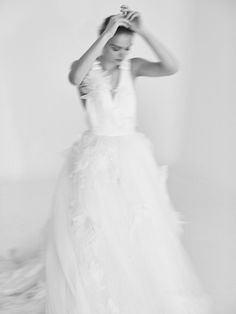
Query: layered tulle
<point x="113" y="241"/>
<point x="22" y="282"/>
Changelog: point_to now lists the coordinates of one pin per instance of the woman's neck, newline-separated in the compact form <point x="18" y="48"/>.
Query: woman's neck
<point x="108" y="66"/>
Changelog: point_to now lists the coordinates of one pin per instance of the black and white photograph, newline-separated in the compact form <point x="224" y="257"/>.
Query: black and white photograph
<point x="117" y="161"/>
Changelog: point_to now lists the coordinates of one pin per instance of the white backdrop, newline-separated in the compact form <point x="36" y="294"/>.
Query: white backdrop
<point x="189" y="116"/>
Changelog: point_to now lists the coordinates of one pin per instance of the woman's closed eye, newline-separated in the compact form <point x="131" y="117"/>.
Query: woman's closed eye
<point x="117" y="48"/>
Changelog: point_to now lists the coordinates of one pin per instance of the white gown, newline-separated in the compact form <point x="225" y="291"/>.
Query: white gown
<point x="113" y="238"/>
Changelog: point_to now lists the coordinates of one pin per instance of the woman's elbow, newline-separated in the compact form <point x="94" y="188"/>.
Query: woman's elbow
<point x="71" y="78"/>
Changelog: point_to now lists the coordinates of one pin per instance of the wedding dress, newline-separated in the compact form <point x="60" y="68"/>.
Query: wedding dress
<point x="113" y="239"/>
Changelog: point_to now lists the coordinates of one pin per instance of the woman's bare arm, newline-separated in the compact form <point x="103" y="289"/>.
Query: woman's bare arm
<point x="142" y="67"/>
<point x="166" y="66"/>
<point x="80" y="67"/>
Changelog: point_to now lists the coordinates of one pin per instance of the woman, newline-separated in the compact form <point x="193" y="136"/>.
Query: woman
<point x="113" y="241"/>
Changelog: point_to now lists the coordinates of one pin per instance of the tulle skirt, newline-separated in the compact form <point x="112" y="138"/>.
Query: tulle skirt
<point x="113" y="237"/>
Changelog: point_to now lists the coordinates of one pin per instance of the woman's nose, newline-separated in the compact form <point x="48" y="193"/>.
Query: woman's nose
<point x="122" y="54"/>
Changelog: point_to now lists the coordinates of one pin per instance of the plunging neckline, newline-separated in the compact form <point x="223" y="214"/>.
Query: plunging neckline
<point x="108" y="76"/>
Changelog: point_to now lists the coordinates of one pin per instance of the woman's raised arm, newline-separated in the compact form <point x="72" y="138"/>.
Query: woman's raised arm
<point x="166" y="66"/>
<point x="80" y="67"/>
<point x="141" y="67"/>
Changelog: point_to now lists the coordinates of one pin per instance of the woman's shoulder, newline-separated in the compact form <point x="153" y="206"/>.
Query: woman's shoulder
<point x="134" y="63"/>
<point x="129" y="65"/>
<point x="95" y="65"/>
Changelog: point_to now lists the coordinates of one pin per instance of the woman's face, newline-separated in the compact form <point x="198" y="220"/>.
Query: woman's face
<point x="117" y="47"/>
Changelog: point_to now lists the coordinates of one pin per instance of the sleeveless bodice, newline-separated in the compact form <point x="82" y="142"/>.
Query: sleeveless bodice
<point x="108" y="114"/>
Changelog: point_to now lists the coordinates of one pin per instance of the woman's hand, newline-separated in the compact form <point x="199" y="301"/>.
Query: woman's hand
<point x="116" y="21"/>
<point x="134" y="18"/>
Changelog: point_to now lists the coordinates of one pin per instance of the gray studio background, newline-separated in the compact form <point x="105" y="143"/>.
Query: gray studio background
<point x="190" y="117"/>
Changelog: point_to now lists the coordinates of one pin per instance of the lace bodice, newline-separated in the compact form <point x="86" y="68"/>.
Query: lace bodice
<point x="108" y="114"/>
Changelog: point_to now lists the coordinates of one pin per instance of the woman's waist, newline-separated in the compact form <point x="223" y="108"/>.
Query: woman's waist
<point x="113" y="127"/>
<point x="112" y="131"/>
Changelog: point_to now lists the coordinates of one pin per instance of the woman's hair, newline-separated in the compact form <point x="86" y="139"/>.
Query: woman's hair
<point x="120" y="29"/>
